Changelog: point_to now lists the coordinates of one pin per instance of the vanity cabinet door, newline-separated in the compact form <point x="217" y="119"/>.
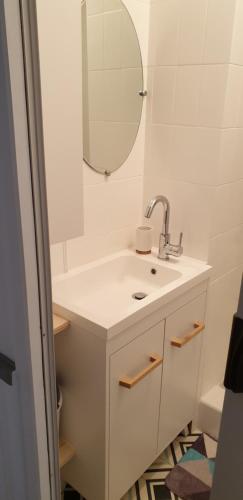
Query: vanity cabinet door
<point x="180" y="369"/>
<point x="134" y="411"/>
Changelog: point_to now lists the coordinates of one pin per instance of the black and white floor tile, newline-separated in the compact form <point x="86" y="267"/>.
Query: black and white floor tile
<point x="151" y="485"/>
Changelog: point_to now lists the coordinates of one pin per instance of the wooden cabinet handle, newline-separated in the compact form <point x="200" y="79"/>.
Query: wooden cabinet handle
<point x="180" y="342"/>
<point x="129" y="382"/>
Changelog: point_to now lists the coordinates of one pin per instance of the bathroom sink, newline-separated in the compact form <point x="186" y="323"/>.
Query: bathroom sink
<point x="115" y="285"/>
<point x="110" y="290"/>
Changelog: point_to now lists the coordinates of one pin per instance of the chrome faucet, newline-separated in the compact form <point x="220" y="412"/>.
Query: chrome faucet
<point x="166" y="248"/>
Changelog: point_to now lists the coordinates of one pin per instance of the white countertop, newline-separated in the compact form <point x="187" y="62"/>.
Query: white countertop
<point x="100" y="292"/>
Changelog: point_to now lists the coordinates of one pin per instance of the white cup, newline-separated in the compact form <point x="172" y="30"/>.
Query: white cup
<point x="144" y="239"/>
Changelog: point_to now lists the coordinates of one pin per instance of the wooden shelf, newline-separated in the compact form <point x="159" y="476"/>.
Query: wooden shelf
<point x="66" y="452"/>
<point x="59" y="324"/>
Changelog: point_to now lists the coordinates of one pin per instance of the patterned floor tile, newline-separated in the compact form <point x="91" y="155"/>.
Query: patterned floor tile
<point x="151" y="485"/>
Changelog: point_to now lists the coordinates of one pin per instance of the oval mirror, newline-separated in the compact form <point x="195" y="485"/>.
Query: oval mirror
<point x="112" y="84"/>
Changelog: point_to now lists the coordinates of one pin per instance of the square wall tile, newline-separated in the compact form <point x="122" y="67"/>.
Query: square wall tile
<point x="228" y="207"/>
<point x="158" y="151"/>
<point x="163" y="94"/>
<point x="164" y="33"/>
<point x="192" y="31"/>
<point x="231" y="155"/>
<point x="187" y="93"/>
<point x="226" y="251"/>
<point x="212" y="95"/>
<point x="194" y="155"/>
<point x="233" y="97"/>
<point x="112" y="205"/>
<point x="219" y="30"/>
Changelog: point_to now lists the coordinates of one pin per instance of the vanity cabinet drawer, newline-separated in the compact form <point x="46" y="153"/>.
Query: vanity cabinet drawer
<point x="182" y="352"/>
<point x="135" y="386"/>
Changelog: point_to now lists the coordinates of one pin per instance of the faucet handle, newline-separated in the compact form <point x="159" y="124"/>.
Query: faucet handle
<point x="180" y="239"/>
<point x="176" y="249"/>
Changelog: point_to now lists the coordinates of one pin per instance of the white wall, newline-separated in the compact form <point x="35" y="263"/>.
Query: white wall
<point x="112" y="206"/>
<point x="59" y="31"/>
<point x="194" y="151"/>
<point x="226" y="238"/>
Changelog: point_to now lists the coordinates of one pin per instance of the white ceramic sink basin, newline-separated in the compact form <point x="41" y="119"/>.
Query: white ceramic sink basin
<point x="110" y="286"/>
<point x="102" y="291"/>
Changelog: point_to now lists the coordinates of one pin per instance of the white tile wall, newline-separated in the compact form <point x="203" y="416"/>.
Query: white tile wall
<point x="191" y="37"/>
<point x="194" y="146"/>
<point x="231" y="155"/>
<point x="187" y="94"/>
<point x="233" y="97"/>
<point x="218" y="36"/>
<point x="228" y="207"/>
<point x="226" y="251"/>
<point x="164" y="32"/>
<point x="164" y="78"/>
<point x="194" y="154"/>
<point x="212" y="97"/>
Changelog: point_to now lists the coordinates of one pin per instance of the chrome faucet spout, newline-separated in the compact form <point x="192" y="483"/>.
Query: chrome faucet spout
<point x="165" y="247"/>
<point x="166" y="205"/>
<point x="150" y="208"/>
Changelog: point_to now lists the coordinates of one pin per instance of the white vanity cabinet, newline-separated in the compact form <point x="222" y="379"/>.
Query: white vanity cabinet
<point x="128" y="395"/>
<point x="134" y="408"/>
<point x="180" y="369"/>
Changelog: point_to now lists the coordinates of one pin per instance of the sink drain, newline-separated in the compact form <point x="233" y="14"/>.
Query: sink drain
<point x="139" y="295"/>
